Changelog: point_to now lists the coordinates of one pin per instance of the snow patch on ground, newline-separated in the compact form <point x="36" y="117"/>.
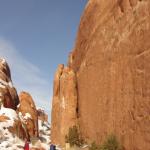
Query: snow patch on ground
<point x="9" y="141"/>
<point x="9" y="113"/>
<point x="44" y="133"/>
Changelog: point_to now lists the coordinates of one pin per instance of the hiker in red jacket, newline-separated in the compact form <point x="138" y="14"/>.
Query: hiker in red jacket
<point x="26" y="146"/>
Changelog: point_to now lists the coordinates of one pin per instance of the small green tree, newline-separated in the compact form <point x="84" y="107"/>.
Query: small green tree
<point x="111" y="143"/>
<point x="73" y="137"/>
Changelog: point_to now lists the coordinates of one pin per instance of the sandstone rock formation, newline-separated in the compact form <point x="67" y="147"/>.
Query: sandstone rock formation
<point x="18" y="129"/>
<point x="64" y="104"/>
<point x="8" y="94"/>
<point x="18" y="116"/>
<point x="56" y="106"/>
<point x="111" y="60"/>
<point x="9" y="99"/>
<point x="28" y="114"/>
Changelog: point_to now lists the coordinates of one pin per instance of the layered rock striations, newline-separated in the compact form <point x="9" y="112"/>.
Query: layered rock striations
<point x="64" y="106"/>
<point x="111" y="60"/>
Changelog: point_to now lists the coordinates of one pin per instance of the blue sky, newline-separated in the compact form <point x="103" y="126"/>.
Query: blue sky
<point x="35" y="36"/>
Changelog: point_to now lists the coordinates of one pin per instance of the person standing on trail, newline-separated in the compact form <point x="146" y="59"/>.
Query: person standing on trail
<point x="26" y="146"/>
<point x="52" y="147"/>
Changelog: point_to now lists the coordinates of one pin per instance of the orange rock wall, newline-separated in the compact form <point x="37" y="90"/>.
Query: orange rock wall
<point x="64" y="104"/>
<point x="27" y="106"/>
<point x="111" y="59"/>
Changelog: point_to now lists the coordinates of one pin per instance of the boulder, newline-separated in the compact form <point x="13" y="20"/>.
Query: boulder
<point x="8" y="94"/>
<point x="28" y="114"/>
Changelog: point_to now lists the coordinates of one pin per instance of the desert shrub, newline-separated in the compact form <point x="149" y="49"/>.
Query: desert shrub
<point x="94" y="146"/>
<point x="73" y="137"/>
<point x="111" y="143"/>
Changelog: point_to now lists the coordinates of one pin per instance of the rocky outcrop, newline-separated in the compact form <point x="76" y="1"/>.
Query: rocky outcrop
<point x="19" y="116"/>
<point x="64" y="104"/>
<point x="8" y="101"/>
<point x="55" y="115"/>
<point x="9" y="121"/>
<point x="42" y="115"/>
<point x="18" y="129"/>
<point x="28" y="114"/>
<point x="8" y="94"/>
<point x="111" y="60"/>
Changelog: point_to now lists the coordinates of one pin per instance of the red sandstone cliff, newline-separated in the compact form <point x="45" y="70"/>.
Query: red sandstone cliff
<point x="64" y="104"/>
<point x="111" y="60"/>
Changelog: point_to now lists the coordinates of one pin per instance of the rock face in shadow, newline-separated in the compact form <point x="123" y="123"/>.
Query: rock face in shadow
<point x="8" y="94"/>
<point x="28" y="114"/>
<point x="111" y="59"/>
<point x="64" y="104"/>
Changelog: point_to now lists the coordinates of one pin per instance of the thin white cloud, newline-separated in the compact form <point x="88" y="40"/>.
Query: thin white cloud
<point x="26" y="76"/>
